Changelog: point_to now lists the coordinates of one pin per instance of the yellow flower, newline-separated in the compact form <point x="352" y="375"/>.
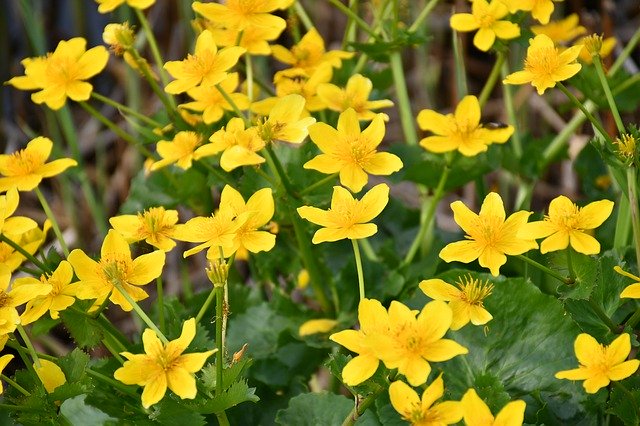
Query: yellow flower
<point x="239" y="146"/>
<point x="212" y="104"/>
<point x="207" y="66"/>
<point x="60" y="74"/>
<point x="156" y="226"/>
<point x="350" y="151"/>
<point x="26" y="168"/>
<point x="347" y="217"/>
<point x="423" y="412"/>
<point x="566" y="224"/>
<point x="355" y="95"/>
<point x="476" y="412"/>
<point x="316" y="326"/>
<point x="59" y="297"/>
<point x="460" y="131"/>
<point x="285" y="122"/>
<point x="9" y="300"/>
<point x="302" y="280"/>
<point x="601" y="364"/>
<point x="489" y="235"/>
<point x="13" y="225"/>
<point x="487" y="19"/>
<point x="260" y="210"/>
<point x="242" y="14"/>
<point x="562" y="31"/>
<point x="466" y="301"/>
<point x="413" y="341"/>
<point x="545" y="65"/>
<point x="116" y="268"/>
<point x="30" y="241"/>
<point x="164" y="365"/>
<point x="605" y="50"/>
<point x="109" y="5"/>
<point x="297" y="81"/>
<point x="4" y="360"/>
<point x="631" y="291"/>
<point x="254" y="39"/>
<point x="374" y="321"/>
<point x="50" y="375"/>
<point x="179" y="150"/>
<point x="310" y="53"/>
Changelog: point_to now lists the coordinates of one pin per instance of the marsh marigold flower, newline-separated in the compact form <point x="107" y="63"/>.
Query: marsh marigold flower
<point x="109" y="5"/>
<point x="310" y="53"/>
<point x="164" y="366"/>
<point x="486" y="17"/>
<point x="210" y="102"/>
<point x="566" y="224"/>
<point x="540" y="9"/>
<point x="180" y="150"/>
<point x="297" y="81"/>
<point x="241" y="14"/>
<point x="207" y="66"/>
<point x="374" y="322"/>
<point x="631" y="291"/>
<point x="26" y="168"/>
<point x="601" y="364"/>
<point x="424" y="411"/>
<point x="466" y="301"/>
<point x="562" y="31"/>
<point x="61" y="74"/>
<point x="10" y="300"/>
<point x="116" y="271"/>
<point x="476" y="412"/>
<point x="545" y="65"/>
<point x="355" y="95"/>
<point x="490" y="235"/>
<point x="156" y="226"/>
<point x="347" y="217"/>
<point x="461" y="130"/>
<point x="286" y="122"/>
<point x="352" y="152"/>
<point x="4" y="360"/>
<point x="602" y="47"/>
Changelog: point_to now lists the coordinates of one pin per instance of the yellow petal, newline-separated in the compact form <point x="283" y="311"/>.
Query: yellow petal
<point x="584" y="243"/>
<point x="50" y="375"/>
<point x="492" y="206"/>
<point x="373" y="202"/>
<point x="434" y="320"/>
<point x="484" y="39"/>
<point x="511" y="414"/>
<point x="463" y="22"/>
<point x="146" y="268"/>
<point x="594" y="214"/>
<point x="476" y="412"/>
<point x="631" y="292"/>
<point x="619" y="349"/>
<point x="437" y="289"/>
<point x="195" y="361"/>
<point x="554" y="242"/>
<point x="154" y="390"/>
<point x="114" y="243"/>
<point x="580" y="373"/>
<point x="416" y="370"/>
<point x="461" y="251"/>
<point x="623" y="370"/>
<point x="359" y="369"/>
<point x="594" y="383"/>
<point x="182" y="383"/>
<point x="443" y="350"/>
<point x="316" y="326"/>
<point x="403" y="398"/>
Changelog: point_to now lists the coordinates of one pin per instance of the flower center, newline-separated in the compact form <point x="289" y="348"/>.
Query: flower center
<point x="61" y="70"/>
<point x="199" y="65"/>
<point x="115" y="268"/>
<point x="489" y="230"/>
<point x="22" y="163"/>
<point x="567" y="219"/>
<point x="4" y="299"/>
<point x="543" y="62"/>
<point x="473" y="290"/>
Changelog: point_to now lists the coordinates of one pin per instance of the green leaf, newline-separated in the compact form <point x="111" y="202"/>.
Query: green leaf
<point x="312" y="409"/>
<point x="237" y="393"/>
<point x="624" y="401"/>
<point x="76" y="412"/>
<point x="170" y="412"/>
<point x="84" y="330"/>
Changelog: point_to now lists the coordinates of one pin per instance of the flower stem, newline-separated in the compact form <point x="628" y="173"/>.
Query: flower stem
<point x="143" y="316"/>
<point x="361" y="407"/>
<point x="205" y="305"/>
<point x="302" y="14"/>
<point x="31" y="258"/>
<point x="28" y="344"/>
<point x="423" y="15"/>
<point x="160" y="93"/>
<point x="492" y="79"/>
<point x="406" y="115"/>
<point x="234" y="106"/>
<point x="52" y="218"/>
<point x="596" y="123"/>
<point x="546" y="270"/>
<point x="160" y="302"/>
<point x="322" y="182"/>
<point x="603" y="316"/>
<point x="572" y="273"/>
<point x="356" y="253"/>
<point x="354" y="17"/>
<point x="597" y="62"/>
<point x="126" y="110"/>
<point x="121" y="387"/>
<point x="15" y="385"/>
<point x="219" y="290"/>
<point x="516" y="143"/>
<point x="632" y="181"/>
<point x="249" y="75"/>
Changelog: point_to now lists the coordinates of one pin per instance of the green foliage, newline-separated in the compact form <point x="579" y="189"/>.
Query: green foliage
<point x="315" y="409"/>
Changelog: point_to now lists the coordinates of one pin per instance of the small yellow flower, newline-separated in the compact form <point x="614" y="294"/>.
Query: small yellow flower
<point x="207" y="66"/>
<point x="352" y="152"/>
<point x="109" y="5"/>
<point x="460" y="131"/>
<point x="239" y="146"/>
<point x="490" y="235"/>
<point x="540" y="9"/>
<point x="60" y="296"/>
<point x="242" y="14"/>
<point x="15" y="225"/>
<point x="210" y="102"/>
<point x="562" y="31"/>
<point x="50" y="375"/>
<point x="180" y="150"/>
<point x="466" y="301"/>
<point x="545" y="65"/>
<point x="601" y="364"/>
<point x="374" y="321"/>
<point x="164" y="365"/>
<point x="422" y="411"/>
<point x="310" y="53"/>
<point x="116" y="268"/>
<point x="285" y="121"/>
<point x="347" y="217"/>
<point x="626" y="146"/>
<point x="120" y="37"/>
<point x="156" y="226"/>
<point x="10" y="300"/>
<point x="605" y="48"/>
<point x="486" y="17"/>
<point x="60" y="74"/>
<point x="26" y="168"/>
<point x="476" y="412"/>
<point x="355" y="95"/>
<point x="316" y="326"/>
<point x="631" y="291"/>
<point x="297" y="81"/>
<point x="566" y="224"/>
<point x="4" y="360"/>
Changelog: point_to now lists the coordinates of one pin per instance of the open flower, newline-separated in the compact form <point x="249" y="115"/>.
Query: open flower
<point x="476" y="412"/>
<point x="631" y="291"/>
<point x="355" y="95"/>
<point x="310" y="53"/>
<point x="601" y="364"/>
<point x="207" y="66"/>
<point x="285" y="121"/>
<point x="423" y="411"/>
<point x="347" y="217"/>
<point x="241" y="14"/>
<point x="490" y="235"/>
<point x="545" y="65"/>
<point x="4" y="360"/>
<point x="239" y="146"/>
<point x="374" y="322"/>
<point x="109" y="5"/>
<point x="180" y="150"/>
<point x="466" y="301"/>
<point x="460" y="131"/>
<point x="209" y="100"/>
<point x="486" y="17"/>
<point x="156" y="226"/>
<point x="163" y="365"/>
<point x="10" y="300"/>
<point x="352" y="152"/>
<point x="26" y="168"/>
<point x="116" y="272"/>
<point x="566" y="224"/>
<point x="61" y="74"/>
<point x="562" y="31"/>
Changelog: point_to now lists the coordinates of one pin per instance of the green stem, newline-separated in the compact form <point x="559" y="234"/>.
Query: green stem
<point x="52" y="218"/>
<point x="15" y="385"/>
<point x="572" y="273"/>
<point x="596" y="123"/>
<point x="108" y="326"/>
<point x="460" y="69"/>
<point x="28" y="344"/>
<point x="322" y="182"/>
<point x="302" y="14"/>
<point x="249" y="75"/>
<point x="116" y="384"/>
<point x="18" y="408"/>
<point x="160" y="302"/>
<point x="406" y="115"/>
<point x="143" y="316"/>
<point x="623" y="224"/>
<point x="360" y="408"/>
<point x="507" y="90"/>
<point x="222" y="419"/>
<point x="276" y="166"/>
<point x="160" y="93"/>
<point x="633" y="203"/>
<point x="560" y="141"/>
<point x="368" y="250"/>
<point x="219" y="340"/>
<point x="233" y="105"/>
<point x="597" y="62"/>
<point x="108" y="343"/>
<point x="126" y="110"/>
<point x="423" y="15"/>
<point x="626" y="52"/>
<point x="603" y="316"/>
<point x="205" y="305"/>
<point x="356" y="253"/>
<point x="492" y="79"/>
<point x="548" y="271"/>
<point x="31" y="258"/>
<point x="353" y="16"/>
